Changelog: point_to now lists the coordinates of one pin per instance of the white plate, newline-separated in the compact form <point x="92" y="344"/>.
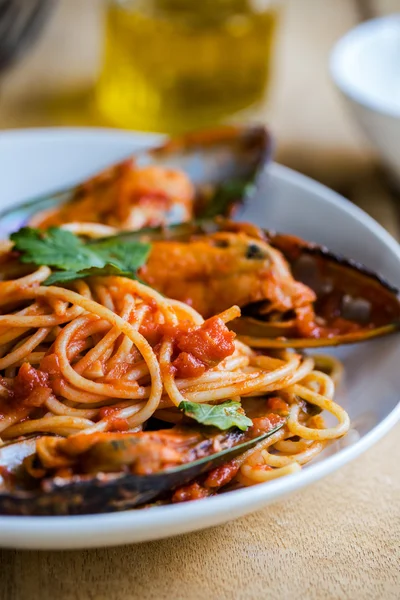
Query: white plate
<point x="32" y="162"/>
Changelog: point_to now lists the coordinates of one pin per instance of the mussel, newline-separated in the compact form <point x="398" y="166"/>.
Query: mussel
<point x="216" y="169"/>
<point x="352" y="303"/>
<point x="292" y="293"/>
<point x="107" y="480"/>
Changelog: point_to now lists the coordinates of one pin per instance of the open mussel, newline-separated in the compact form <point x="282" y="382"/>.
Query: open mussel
<point x="292" y="293"/>
<point x="116" y="472"/>
<point x="352" y="303"/>
<point x="197" y="175"/>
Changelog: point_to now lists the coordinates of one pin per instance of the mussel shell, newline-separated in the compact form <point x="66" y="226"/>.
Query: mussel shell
<point x="372" y="302"/>
<point x="259" y="334"/>
<point x="349" y="277"/>
<point x="107" y="492"/>
<point x="227" y="159"/>
<point x="222" y="163"/>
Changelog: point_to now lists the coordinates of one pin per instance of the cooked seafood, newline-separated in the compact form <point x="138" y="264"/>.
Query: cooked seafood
<point x="292" y="293"/>
<point x="127" y="197"/>
<point x="200" y="174"/>
<point x="118" y="471"/>
<point x="209" y="272"/>
<point x="95" y="368"/>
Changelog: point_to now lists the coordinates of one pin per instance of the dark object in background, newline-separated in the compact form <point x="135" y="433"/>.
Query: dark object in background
<point x="20" y="23"/>
<point x="365" y="9"/>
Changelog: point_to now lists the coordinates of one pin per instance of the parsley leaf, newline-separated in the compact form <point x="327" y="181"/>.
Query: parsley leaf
<point x="65" y="251"/>
<point x="224" y="416"/>
<point x="108" y="269"/>
<point x="127" y="256"/>
<point x="54" y="248"/>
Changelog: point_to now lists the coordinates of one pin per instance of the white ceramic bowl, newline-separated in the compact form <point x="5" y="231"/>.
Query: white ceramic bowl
<point x="34" y="162"/>
<point x="365" y="65"/>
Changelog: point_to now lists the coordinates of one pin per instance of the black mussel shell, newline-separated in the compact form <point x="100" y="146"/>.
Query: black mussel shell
<point x="104" y="492"/>
<point x="353" y="301"/>
<point x="222" y="163"/>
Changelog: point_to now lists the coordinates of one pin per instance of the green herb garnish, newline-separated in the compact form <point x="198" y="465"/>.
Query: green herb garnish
<point x="224" y="416"/>
<point x="225" y="197"/>
<point x="65" y="251"/>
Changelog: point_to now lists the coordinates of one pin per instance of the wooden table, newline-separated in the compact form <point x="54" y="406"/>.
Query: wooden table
<point x="338" y="539"/>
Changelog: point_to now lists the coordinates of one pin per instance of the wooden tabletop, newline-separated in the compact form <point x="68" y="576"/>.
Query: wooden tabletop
<point x="337" y="539"/>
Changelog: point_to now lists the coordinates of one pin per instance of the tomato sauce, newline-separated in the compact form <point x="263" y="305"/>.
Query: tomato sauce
<point x="115" y="423"/>
<point x="210" y="343"/>
<point x="277" y="404"/>
<point x="51" y="365"/>
<point x="222" y="475"/>
<point x="187" y="365"/>
<point x="30" y="390"/>
<point x="266" y="423"/>
<point x="31" y="386"/>
<point x="193" y="491"/>
<point x="197" y="349"/>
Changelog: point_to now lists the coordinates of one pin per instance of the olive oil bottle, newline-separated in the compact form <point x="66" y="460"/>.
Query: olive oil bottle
<point x="175" y="65"/>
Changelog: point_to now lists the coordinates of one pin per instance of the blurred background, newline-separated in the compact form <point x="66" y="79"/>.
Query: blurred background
<point x="173" y="65"/>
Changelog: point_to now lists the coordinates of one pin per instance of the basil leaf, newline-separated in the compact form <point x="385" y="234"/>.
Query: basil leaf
<point x="224" y="416"/>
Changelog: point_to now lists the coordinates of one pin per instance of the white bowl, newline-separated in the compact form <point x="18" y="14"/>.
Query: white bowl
<point x="286" y="201"/>
<point x="365" y="65"/>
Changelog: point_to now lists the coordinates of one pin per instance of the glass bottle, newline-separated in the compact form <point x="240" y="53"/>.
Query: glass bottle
<point x="175" y="65"/>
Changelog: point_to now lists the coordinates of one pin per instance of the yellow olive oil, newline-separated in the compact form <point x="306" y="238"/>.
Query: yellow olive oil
<point x="174" y="65"/>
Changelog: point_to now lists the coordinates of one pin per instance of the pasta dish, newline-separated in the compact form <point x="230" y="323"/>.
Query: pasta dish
<point x="130" y="374"/>
<point x="118" y="374"/>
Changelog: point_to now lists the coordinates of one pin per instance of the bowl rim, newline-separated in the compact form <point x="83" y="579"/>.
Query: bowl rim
<point x="338" y="54"/>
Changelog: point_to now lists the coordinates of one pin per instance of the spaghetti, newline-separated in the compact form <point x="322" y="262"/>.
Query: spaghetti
<point x="110" y="357"/>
